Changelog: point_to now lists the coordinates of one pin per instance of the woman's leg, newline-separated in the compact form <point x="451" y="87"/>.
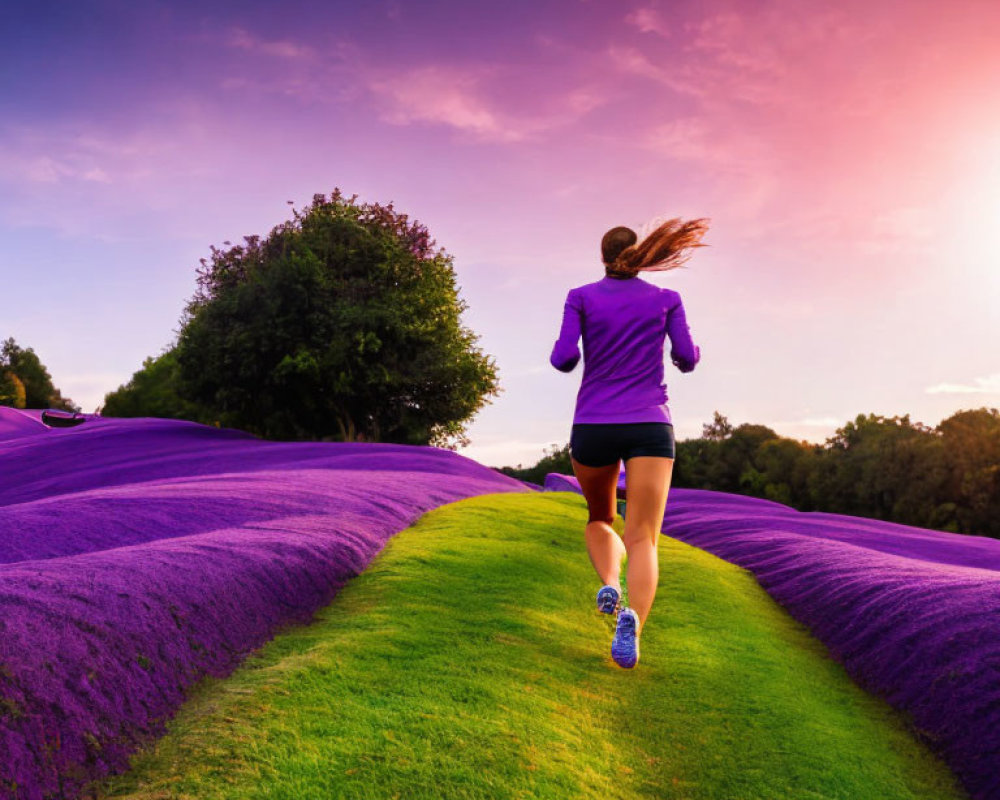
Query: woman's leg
<point x="604" y="546"/>
<point x="647" y="481"/>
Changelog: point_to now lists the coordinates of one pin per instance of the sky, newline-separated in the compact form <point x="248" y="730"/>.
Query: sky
<point x="847" y="155"/>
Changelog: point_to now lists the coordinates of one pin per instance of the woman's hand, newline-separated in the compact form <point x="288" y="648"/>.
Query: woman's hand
<point x="687" y="366"/>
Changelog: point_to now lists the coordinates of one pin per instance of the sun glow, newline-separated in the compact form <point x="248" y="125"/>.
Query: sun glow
<point x="977" y="229"/>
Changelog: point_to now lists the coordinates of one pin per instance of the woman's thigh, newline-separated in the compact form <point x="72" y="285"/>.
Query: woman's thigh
<point x="599" y="485"/>
<point x="647" y="481"/>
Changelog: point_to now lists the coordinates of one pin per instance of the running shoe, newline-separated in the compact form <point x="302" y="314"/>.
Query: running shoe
<point x="625" y="646"/>
<point x="608" y="599"/>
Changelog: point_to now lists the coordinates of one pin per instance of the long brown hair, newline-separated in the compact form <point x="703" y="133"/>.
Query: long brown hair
<point x="668" y="246"/>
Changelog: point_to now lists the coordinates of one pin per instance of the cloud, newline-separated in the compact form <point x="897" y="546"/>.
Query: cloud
<point x="687" y="138"/>
<point x="983" y="385"/>
<point x="443" y="96"/>
<point x="242" y="39"/>
<point x="476" y="100"/>
<point x="81" y="179"/>
<point x="632" y="61"/>
<point x="42" y="168"/>
<point x="722" y="61"/>
<point x="648" y="20"/>
<point x="484" y="101"/>
<point x="52" y="154"/>
<point x="290" y="68"/>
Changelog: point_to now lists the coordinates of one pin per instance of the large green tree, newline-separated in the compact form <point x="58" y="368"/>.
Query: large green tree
<point x="343" y="323"/>
<point x="25" y="382"/>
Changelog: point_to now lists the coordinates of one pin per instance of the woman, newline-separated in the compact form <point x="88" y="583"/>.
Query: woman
<point x="621" y="410"/>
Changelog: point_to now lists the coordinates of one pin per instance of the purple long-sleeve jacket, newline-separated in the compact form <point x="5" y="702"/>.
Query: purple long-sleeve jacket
<point x="623" y="323"/>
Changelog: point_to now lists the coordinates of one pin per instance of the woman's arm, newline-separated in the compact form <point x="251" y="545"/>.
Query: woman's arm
<point x="684" y="353"/>
<point x="565" y="353"/>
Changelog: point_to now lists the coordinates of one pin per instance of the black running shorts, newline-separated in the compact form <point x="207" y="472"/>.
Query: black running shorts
<point x="598" y="445"/>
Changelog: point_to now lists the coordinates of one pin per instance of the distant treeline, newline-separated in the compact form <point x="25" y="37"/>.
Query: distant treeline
<point x="946" y="477"/>
<point x="25" y="382"/>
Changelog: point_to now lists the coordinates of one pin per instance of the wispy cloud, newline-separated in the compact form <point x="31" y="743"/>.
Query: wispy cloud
<point x="648" y="20"/>
<point x="982" y="385"/>
<point x="444" y="96"/>
<point x="480" y="100"/>
<point x="243" y="39"/>
<point x="82" y="179"/>
<point x="632" y="61"/>
<point x="688" y="139"/>
<point x="44" y="168"/>
<point x="475" y="100"/>
<point x="54" y="154"/>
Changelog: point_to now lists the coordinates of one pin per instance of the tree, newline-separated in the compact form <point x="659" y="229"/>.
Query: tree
<point x="785" y="465"/>
<point x="692" y="461"/>
<point x="732" y="456"/>
<point x="344" y="323"/>
<point x="11" y="390"/>
<point x="152" y="392"/>
<point x="971" y="450"/>
<point x="882" y="467"/>
<point x="718" y="429"/>
<point x="34" y="379"/>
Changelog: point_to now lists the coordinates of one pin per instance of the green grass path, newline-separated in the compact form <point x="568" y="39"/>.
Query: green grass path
<point x="469" y="661"/>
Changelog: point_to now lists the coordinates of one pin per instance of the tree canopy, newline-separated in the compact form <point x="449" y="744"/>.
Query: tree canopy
<point x="343" y="323"/>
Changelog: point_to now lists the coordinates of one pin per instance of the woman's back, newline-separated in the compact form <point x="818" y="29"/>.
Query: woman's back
<point x="623" y="323"/>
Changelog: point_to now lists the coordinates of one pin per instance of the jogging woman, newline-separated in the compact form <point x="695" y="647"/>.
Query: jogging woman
<point x="621" y="410"/>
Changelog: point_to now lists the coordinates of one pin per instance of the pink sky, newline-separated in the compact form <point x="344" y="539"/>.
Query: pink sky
<point x="848" y="155"/>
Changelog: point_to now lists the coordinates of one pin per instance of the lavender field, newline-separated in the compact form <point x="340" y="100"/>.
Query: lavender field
<point x="913" y="614"/>
<point x="140" y="555"/>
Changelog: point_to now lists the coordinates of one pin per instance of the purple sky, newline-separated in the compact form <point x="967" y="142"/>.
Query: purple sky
<point x="848" y="155"/>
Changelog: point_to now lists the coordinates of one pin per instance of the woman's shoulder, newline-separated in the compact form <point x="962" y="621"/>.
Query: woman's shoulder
<point x="671" y="296"/>
<point x="584" y="289"/>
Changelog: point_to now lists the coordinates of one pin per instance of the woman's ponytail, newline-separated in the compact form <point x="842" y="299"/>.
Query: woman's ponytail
<point x="668" y="246"/>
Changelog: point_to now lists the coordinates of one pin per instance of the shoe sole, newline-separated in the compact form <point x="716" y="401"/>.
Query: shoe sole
<point x="625" y="648"/>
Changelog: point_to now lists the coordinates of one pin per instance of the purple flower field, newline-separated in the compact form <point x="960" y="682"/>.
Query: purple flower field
<point x="913" y="614"/>
<point x="140" y="555"/>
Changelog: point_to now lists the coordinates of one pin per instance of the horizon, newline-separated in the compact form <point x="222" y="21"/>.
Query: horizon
<point x="848" y="157"/>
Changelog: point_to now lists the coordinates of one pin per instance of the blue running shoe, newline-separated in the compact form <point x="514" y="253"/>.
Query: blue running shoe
<point x="608" y="598"/>
<point x="625" y="646"/>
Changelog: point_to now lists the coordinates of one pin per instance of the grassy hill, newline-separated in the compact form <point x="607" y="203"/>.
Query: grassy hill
<point x="468" y="661"/>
